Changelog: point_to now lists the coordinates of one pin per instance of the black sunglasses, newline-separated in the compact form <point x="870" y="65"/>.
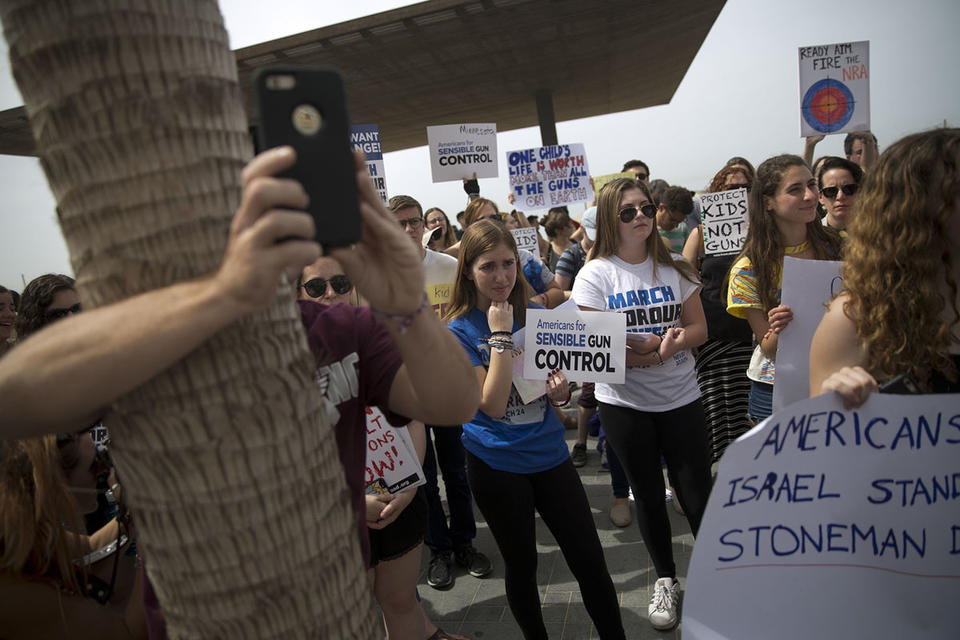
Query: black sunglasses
<point x="316" y="287"/>
<point x="496" y="217"/>
<point x="734" y="187"/>
<point x="848" y="190"/>
<point x="628" y="214"/>
<point x="58" y="314"/>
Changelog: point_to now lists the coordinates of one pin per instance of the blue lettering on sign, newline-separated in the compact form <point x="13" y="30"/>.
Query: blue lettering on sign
<point x="781" y="540"/>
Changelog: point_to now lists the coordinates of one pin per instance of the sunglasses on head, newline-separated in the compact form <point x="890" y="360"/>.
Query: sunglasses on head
<point x="848" y="190"/>
<point x="629" y="213"/>
<point x="58" y="314"/>
<point x="316" y="287"/>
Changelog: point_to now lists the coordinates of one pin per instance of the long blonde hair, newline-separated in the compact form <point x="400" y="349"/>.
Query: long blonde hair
<point x="479" y="238"/>
<point x="899" y="255"/>
<point x="608" y="231"/>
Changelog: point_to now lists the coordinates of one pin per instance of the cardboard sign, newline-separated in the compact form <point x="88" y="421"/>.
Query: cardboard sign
<point x="528" y="239"/>
<point x="834" y="88"/>
<point x="588" y="346"/>
<point x="546" y="177"/>
<point x="392" y="464"/>
<point x="724" y="217"/>
<point x="459" y="150"/>
<point x="600" y="181"/>
<point x="366" y="138"/>
<point x="825" y="523"/>
<point x="808" y="285"/>
<point x="528" y="390"/>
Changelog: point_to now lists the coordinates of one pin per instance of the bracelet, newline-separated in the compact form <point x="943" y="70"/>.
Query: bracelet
<point x="659" y="357"/>
<point x="500" y="344"/>
<point x="402" y="323"/>
<point x="501" y="333"/>
<point x="564" y="403"/>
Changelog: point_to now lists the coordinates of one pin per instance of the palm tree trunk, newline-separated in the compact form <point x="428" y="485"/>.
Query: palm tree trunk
<point x="229" y="459"/>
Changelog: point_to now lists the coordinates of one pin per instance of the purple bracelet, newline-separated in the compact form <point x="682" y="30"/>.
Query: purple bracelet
<point x="402" y="323"/>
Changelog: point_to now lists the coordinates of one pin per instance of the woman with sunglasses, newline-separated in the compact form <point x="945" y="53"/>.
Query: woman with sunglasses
<point x="445" y="238"/>
<point x="656" y="413"/>
<point x="839" y="181"/>
<point x="723" y="359"/>
<point x="782" y="212"/>
<point x="325" y="281"/>
<point x="45" y="300"/>
<point x="517" y="460"/>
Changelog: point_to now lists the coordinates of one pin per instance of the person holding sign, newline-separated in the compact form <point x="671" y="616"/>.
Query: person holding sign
<point x="656" y="411"/>
<point x="443" y="239"/>
<point x="517" y="460"/>
<point x="900" y="312"/>
<point x="783" y="221"/>
<point x="839" y="181"/>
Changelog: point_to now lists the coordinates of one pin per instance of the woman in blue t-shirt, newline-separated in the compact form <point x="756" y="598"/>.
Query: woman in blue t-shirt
<point x="517" y="461"/>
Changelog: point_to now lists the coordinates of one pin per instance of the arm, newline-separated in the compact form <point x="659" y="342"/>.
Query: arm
<point x="562" y="280"/>
<point x="94" y="357"/>
<point x="767" y="327"/>
<point x="388" y="508"/>
<point x="496" y="380"/>
<point x="870" y="154"/>
<point x="692" y="247"/>
<point x="809" y="145"/>
<point x="837" y="360"/>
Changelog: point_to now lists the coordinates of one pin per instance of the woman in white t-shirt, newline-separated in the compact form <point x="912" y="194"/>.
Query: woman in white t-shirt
<point x="656" y="411"/>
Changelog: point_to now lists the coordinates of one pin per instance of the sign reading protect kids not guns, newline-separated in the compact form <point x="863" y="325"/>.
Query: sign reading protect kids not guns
<point x="546" y="177"/>
<point x="823" y="515"/>
<point x="724" y="216"/>
<point x="834" y="88"/>
<point x="366" y="138"/>
<point x="392" y="463"/>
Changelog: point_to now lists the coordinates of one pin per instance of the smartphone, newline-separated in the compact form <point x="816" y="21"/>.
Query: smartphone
<point x="901" y="384"/>
<point x="306" y="108"/>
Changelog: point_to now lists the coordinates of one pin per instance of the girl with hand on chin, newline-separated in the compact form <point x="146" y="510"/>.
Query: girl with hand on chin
<point x="517" y="460"/>
<point x="656" y="412"/>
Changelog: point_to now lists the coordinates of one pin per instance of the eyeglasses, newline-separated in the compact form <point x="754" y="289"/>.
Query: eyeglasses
<point x="734" y="187"/>
<point x="316" y="287"/>
<point x="848" y="190"/>
<point x="629" y="213"/>
<point x="413" y="223"/>
<point x="495" y="217"/>
<point x="59" y="314"/>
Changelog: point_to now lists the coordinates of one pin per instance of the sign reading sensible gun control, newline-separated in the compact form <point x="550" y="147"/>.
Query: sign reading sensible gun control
<point x="588" y="346"/>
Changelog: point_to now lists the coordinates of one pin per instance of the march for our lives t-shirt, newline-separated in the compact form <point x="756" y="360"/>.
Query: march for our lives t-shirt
<point x="652" y="305"/>
<point x="529" y="438"/>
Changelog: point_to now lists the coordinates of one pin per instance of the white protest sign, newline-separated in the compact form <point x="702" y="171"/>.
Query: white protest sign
<point x="528" y="390"/>
<point x="545" y="177"/>
<point x="834" y="88"/>
<point x="588" y="346"/>
<point x="392" y="463"/>
<point x="825" y="523"/>
<point x="528" y="239"/>
<point x="366" y="138"/>
<point x="724" y="216"/>
<point x="459" y="150"/>
<point x="808" y="285"/>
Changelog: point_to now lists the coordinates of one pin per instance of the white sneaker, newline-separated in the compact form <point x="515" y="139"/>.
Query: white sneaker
<point x="662" y="611"/>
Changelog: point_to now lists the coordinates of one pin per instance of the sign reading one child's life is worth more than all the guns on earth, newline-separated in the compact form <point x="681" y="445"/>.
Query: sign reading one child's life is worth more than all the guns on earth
<point x="545" y="177"/>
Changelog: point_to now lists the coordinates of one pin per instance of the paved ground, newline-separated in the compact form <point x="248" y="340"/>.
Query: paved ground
<point x="478" y="608"/>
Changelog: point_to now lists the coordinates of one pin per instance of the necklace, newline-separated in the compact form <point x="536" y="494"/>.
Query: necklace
<point x="799" y="248"/>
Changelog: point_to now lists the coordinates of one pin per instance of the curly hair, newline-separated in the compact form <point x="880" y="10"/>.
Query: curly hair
<point x="743" y="162"/>
<point x="764" y="244"/>
<point x="900" y="258"/>
<point x="608" y="231"/>
<point x="719" y="181"/>
<point x="36" y="298"/>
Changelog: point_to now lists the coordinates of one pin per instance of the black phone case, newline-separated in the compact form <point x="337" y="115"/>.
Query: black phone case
<point x="324" y="159"/>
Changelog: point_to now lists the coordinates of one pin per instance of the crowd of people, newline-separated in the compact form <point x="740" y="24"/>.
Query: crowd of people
<point x="701" y="364"/>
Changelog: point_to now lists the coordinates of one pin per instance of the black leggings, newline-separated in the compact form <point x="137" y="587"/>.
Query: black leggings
<point x="680" y="436"/>
<point x="507" y="501"/>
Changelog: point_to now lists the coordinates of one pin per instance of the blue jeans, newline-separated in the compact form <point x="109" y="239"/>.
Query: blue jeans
<point x="444" y="537"/>
<point x="760" y="402"/>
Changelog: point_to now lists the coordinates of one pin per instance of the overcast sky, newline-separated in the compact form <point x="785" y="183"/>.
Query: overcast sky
<point x="739" y="97"/>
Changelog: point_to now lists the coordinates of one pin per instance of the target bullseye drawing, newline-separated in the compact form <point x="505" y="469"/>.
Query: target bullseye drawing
<point x="828" y="105"/>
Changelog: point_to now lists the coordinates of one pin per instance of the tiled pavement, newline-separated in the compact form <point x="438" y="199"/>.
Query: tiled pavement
<point x="478" y="608"/>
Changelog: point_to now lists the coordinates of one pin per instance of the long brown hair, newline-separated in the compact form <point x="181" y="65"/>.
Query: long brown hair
<point x="472" y="213"/>
<point x="764" y="245"/>
<point x="899" y="255"/>
<point x="479" y="238"/>
<point x="448" y="238"/>
<point x="36" y="510"/>
<point x="608" y="231"/>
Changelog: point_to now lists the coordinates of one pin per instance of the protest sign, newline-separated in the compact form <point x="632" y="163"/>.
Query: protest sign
<point x="545" y="177"/>
<point x="588" y="346"/>
<point x="528" y="239"/>
<point x="392" y="463"/>
<point x="366" y="138"/>
<point x="600" y="181"/>
<point x="819" y="516"/>
<point x="529" y="390"/>
<point x="808" y="285"/>
<point x="724" y="216"/>
<point x="834" y="88"/>
<point x="459" y="150"/>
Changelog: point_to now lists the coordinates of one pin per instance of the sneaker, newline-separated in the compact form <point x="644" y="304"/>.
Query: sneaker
<point x="676" y="503"/>
<point x="579" y="454"/>
<point x="439" y="575"/>
<point x="662" y="611"/>
<point x="620" y="513"/>
<point x="477" y="564"/>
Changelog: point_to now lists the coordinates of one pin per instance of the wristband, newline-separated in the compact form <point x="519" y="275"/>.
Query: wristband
<point x="402" y="323"/>
<point x="564" y="403"/>
<point x="659" y="357"/>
